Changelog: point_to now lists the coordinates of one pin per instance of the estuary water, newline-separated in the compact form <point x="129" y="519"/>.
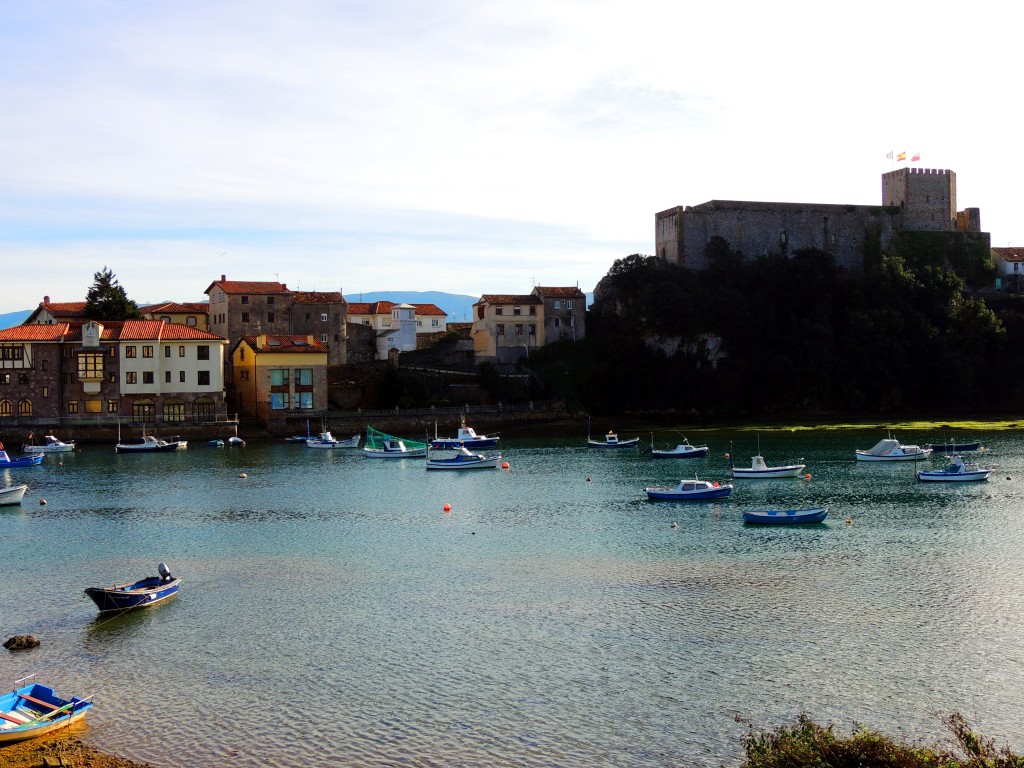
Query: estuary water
<point x="333" y="614"/>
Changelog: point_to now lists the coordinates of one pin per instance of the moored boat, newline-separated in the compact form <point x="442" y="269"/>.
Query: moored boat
<point x="464" y="459"/>
<point x="12" y="495"/>
<point x="611" y="440"/>
<point x="327" y="440"/>
<point x="140" y="594"/>
<point x="954" y="447"/>
<point x="890" y="449"/>
<point x="50" y="445"/>
<point x="33" y="710"/>
<point x="786" y="516"/>
<point x="380" y="445"/>
<point x="682" y="451"/>
<point x="957" y="471"/>
<point x="758" y="469"/>
<point x="29" y="460"/>
<point x="466" y="437"/>
<point x="150" y="444"/>
<point x="690" y="490"/>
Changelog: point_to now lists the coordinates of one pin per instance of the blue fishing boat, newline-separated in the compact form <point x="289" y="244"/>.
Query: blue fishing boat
<point x="19" y="461"/>
<point x="464" y="459"/>
<point x="140" y="594"/>
<point x="690" y="490"/>
<point x="33" y="710"/>
<point x="786" y="516"/>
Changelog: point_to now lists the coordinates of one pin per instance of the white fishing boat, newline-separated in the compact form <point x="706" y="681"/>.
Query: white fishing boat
<point x="890" y="449"/>
<point x="50" y="445"/>
<point x="759" y="469"/>
<point x="12" y="495"/>
<point x="957" y="471"/>
<point x="327" y="440"/>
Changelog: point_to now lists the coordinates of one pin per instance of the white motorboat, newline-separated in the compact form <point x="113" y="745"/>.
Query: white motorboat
<point x="758" y="469"/>
<point x="690" y="490"/>
<point x="50" y="445"/>
<point x="891" y="450"/>
<point x="327" y="440"/>
<point x="957" y="471"/>
<point x="12" y="495"/>
<point x="611" y="440"/>
<point x="151" y="444"/>
<point x="464" y="459"/>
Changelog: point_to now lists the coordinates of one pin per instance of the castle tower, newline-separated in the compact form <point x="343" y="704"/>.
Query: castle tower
<point x="927" y="197"/>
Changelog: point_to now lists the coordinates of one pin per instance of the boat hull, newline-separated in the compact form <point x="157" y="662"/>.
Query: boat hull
<point x="125" y="597"/>
<point x="34" y="710"/>
<point x="144" y="448"/>
<point x="380" y="453"/>
<point x="768" y="474"/>
<point x="12" y="495"/>
<point x="786" y="516"/>
<point x="22" y="461"/>
<point x="459" y="463"/>
<point x="62" y="448"/>
<point x="921" y="456"/>
<point x="690" y="454"/>
<point x="939" y="476"/>
<point x="672" y="494"/>
<point x="954" y="447"/>
<point x="352" y="442"/>
<point x="620" y="444"/>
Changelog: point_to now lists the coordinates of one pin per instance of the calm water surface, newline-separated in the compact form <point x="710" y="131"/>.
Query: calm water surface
<point x="332" y="614"/>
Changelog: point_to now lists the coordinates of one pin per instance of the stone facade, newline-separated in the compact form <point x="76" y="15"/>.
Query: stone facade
<point x="913" y="199"/>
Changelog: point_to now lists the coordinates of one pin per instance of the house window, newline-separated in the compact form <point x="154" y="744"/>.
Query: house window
<point x="270" y="299"/>
<point x="72" y="407"/>
<point x="557" y="304"/>
<point x="167" y="377"/>
<point x="166" y="318"/>
<point x="129" y="351"/>
<point x="147" y="351"/>
<point x="111" y="406"/>
<point x="112" y="378"/>
<point x="517" y="310"/>
<point x="6" y="408"/>
<point x="147" y="377"/>
<point x="434" y="323"/>
<point x="323" y="337"/>
<point x="181" y="376"/>
<point x="243" y="375"/>
<point x="23" y="378"/>
<point x="94" y="406"/>
<point x="501" y="329"/>
<point x="270" y="317"/>
<point x="366" y="322"/>
<point x="167" y="350"/>
<point x="1016" y="265"/>
<point x="181" y="351"/>
<point x="143" y="411"/>
<point x="245" y="317"/>
<point x="519" y="329"/>
<point x="323" y="317"/>
<point x="90" y="365"/>
<point x="533" y="310"/>
<point x="174" y="409"/>
<point x="191" y="320"/>
<point x="533" y="329"/>
<point x="499" y="310"/>
<point x="556" y="322"/>
<point x="46" y="391"/>
<point x="24" y="407"/>
<point x="204" y="378"/>
<point x="245" y="299"/>
<point x="568" y="303"/>
<point x="279" y="377"/>
<point x="278" y="401"/>
<point x="113" y="351"/>
<point x="130" y="377"/>
<point x="203" y="409"/>
<point x="304" y="377"/>
<point x="304" y="400"/>
<point x="45" y="365"/>
<point x="5" y="378"/>
<point x="203" y="352"/>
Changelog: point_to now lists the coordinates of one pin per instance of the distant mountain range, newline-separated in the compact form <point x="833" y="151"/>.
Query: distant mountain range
<point x="458" y="307"/>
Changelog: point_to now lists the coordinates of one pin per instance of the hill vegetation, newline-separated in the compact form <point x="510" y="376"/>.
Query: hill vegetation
<point x="790" y="336"/>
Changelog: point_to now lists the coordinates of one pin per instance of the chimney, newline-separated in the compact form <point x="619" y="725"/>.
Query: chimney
<point x="46" y="299"/>
<point x="223" y="278"/>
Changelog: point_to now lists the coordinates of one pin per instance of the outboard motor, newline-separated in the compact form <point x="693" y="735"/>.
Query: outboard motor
<point x="164" y="571"/>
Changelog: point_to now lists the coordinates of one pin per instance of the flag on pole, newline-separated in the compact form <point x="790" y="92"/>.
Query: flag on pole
<point x="889" y="156"/>
<point x="916" y="158"/>
<point x="901" y="157"/>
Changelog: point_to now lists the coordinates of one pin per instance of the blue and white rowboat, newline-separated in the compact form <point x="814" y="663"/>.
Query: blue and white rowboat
<point x="786" y="516"/>
<point x="33" y="710"/>
<point x="140" y="594"/>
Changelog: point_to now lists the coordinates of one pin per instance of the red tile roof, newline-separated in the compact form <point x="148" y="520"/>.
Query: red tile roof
<point x="1011" y="254"/>
<point x="430" y="309"/>
<point x="248" y="287"/>
<point x="318" y="297"/>
<point x="49" y="332"/>
<point x="560" y="293"/>
<point x="385" y="307"/>
<point x="503" y="298"/>
<point x="157" y="330"/>
<point x="285" y="343"/>
<point x="193" y="307"/>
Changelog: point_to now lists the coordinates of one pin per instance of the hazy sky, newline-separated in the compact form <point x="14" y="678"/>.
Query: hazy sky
<point x="468" y="147"/>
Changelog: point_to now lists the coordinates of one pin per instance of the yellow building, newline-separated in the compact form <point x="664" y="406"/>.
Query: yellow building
<point x="276" y="376"/>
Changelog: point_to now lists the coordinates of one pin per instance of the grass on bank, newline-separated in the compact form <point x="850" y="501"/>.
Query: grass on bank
<point x="809" y="745"/>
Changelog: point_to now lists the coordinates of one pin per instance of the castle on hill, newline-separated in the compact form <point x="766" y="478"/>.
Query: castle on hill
<point x="913" y="200"/>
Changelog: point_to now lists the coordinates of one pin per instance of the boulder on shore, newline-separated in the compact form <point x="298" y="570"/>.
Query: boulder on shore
<point x="21" y="643"/>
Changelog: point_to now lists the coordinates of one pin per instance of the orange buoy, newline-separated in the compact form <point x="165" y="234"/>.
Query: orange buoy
<point x="504" y="465"/>
<point x="447" y="507"/>
<point x="727" y="455"/>
<point x="715" y="484"/>
<point x="807" y="476"/>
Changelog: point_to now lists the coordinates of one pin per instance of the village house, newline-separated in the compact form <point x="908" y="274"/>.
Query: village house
<point x="1009" y="263"/>
<point x="274" y="374"/>
<point x="141" y="371"/>
<point x="506" y="327"/>
<point x="194" y="313"/>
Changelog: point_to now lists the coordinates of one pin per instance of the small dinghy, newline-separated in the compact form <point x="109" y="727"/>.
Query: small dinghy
<point x="464" y="459"/>
<point x="33" y="710"/>
<point x="786" y="516"/>
<point x="12" y="494"/>
<point x="140" y="594"/>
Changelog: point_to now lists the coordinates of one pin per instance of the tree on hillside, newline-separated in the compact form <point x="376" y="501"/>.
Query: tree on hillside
<point x="107" y="300"/>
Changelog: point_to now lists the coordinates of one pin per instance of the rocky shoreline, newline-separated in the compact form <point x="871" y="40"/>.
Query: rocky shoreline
<point x="61" y="751"/>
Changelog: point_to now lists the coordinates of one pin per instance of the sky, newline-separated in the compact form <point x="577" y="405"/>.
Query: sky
<point x="464" y="146"/>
